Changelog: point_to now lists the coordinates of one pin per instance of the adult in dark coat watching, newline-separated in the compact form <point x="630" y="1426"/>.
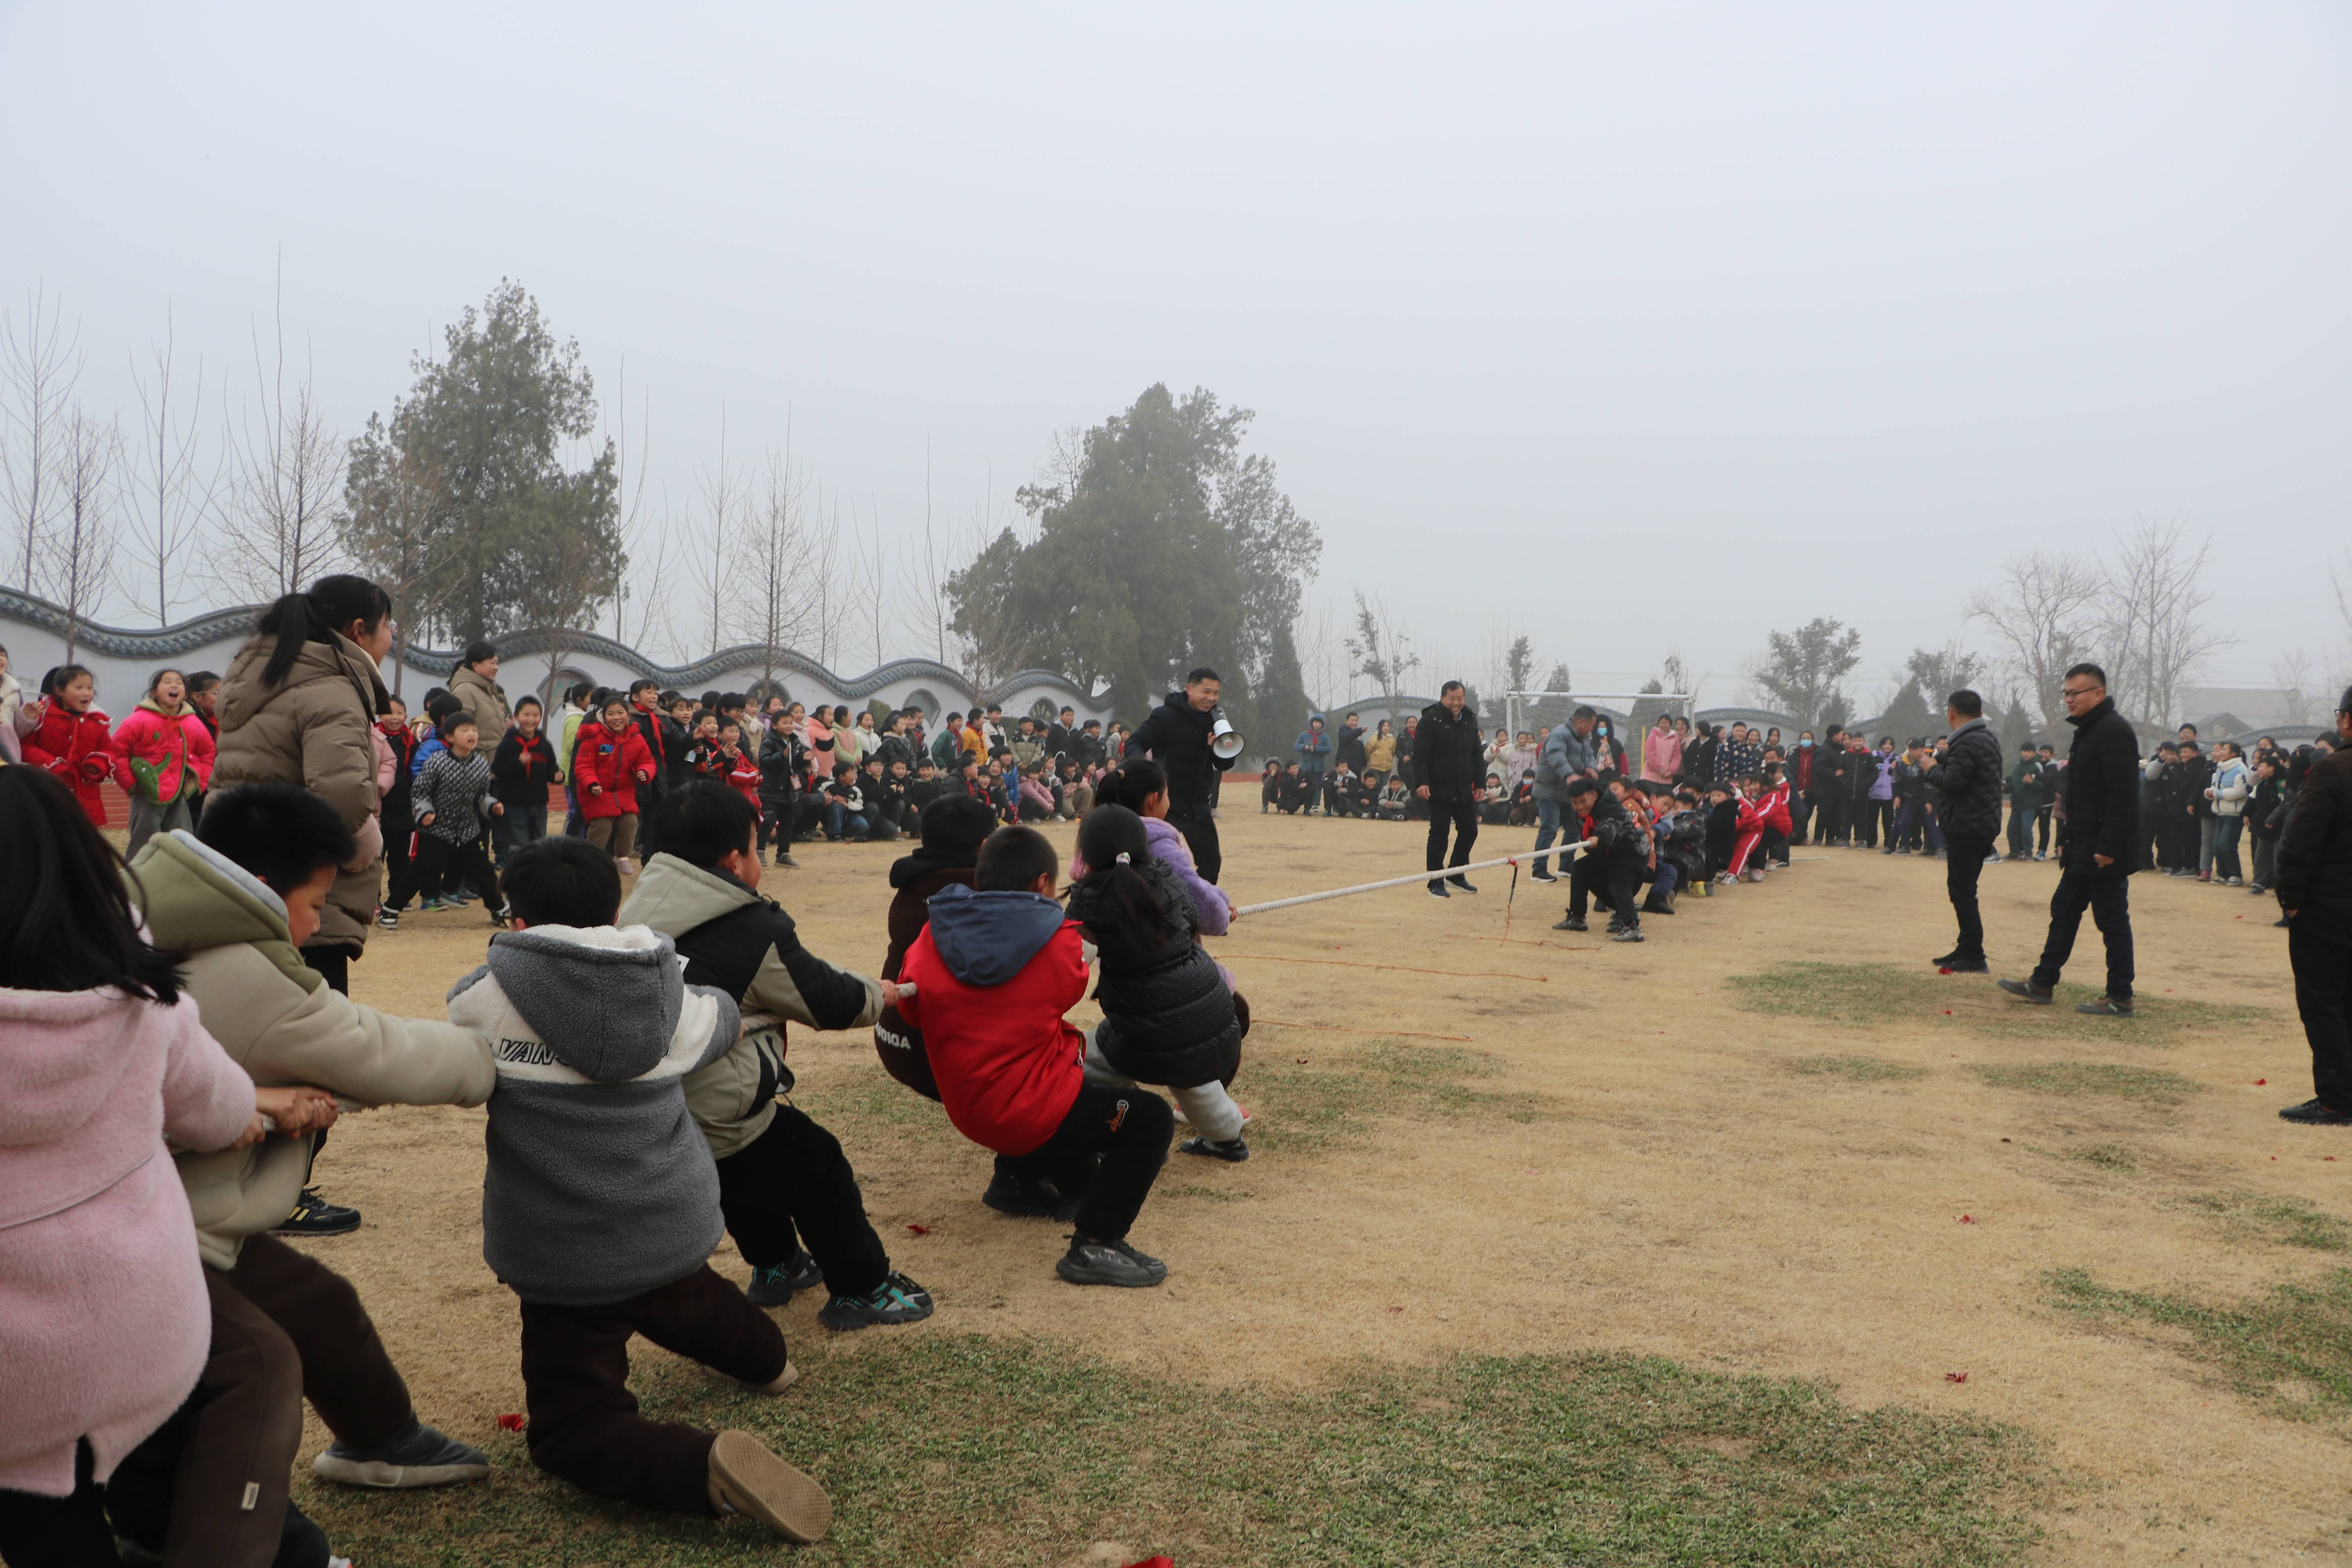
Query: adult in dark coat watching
<point x="1176" y="736"/>
<point x="2314" y="893"/>
<point x="2101" y="792"/>
<point x="1967" y="771"/>
<point x="1826" y="790"/>
<point x="1449" y="764"/>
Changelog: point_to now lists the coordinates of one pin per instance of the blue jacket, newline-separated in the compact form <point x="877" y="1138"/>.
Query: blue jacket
<point x="1565" y="754"/>
<point x="1313" y="747"/>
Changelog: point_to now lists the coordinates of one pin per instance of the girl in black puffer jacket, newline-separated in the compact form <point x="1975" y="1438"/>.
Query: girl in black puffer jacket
<point x="1168" y="1009"/>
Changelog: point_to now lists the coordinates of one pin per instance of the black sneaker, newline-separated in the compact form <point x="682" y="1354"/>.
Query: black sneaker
<point x="1463" y="883"/>
<point x="2040" y="995"/>
<point x="775" y="1284"/>
<point x="2311" y="1114"/>
<point x="1968" y="966"/>
<point x="2107" y="1008"/>
<point x="1020" y="1198"/>
<point x="426" y="1457"/>
<point x="1541" y="877"/>
<point x="1437" y="890"/>
<point x="912" y="1291"/>
<point x="1946" y="961"/>
<point x="1234" y="1151"/>
<point x="1109" y="1263"/>
<point x="1626" y="934"/>
<point x="1573" y="922"/>
<point x="889" y="1304"/>
<point x="387" y="920"/>
<point x="314" y="1215"/>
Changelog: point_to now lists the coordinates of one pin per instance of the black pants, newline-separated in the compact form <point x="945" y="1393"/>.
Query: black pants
<point x="2042" y="830"/>
<point x="1964" y="864"/>
<point x="2021" y="832"/>
<point x="2319" y="946"/>
<point x="778" y="814"/>
<point x="446" y="862"/>
<point x="333" y="962"/>
<point x="1129" y="1129"/>
<point x="792" y="1184"/>
<point x="584" y="1421"/>
<point x="1608" y="881"/>
<point x="1463" y="816"/>
<point x="1200" y="837"/>
<point x="2108" y="895"/>
<point x="67" y="1532"/>
<point x="1829" y="818"/>
<point x="1874" y="817"/>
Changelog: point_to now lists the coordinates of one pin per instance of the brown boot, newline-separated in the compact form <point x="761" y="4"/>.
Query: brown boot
<point x="745" y="1478"/>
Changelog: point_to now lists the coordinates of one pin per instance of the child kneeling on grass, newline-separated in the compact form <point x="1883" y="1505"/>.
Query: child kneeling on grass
<point x="781" y="1177"/>
<point x="600" y="1203"/>
<point x="1168" y="1010"/>
<point x="987" y="982"/>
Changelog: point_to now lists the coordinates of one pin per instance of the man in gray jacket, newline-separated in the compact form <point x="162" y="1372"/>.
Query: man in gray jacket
<point x="1568" y="753"/>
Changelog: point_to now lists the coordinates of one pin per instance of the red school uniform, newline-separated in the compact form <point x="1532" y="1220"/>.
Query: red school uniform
<point x="78" y="749"/>
<point x="608" y="766"/>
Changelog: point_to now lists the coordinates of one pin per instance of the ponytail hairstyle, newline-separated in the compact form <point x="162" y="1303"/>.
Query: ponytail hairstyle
<point x="319" y="616"/>
<point x="1112" y="844"/>
<point x="475" y="651"/>
<point x="1131" y="785"/>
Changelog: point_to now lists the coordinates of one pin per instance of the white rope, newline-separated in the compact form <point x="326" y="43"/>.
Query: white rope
<point x="1560" y="849"/>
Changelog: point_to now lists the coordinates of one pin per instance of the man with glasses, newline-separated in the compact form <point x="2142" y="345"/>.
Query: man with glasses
<point x="2314" y="893"/>
<point x="2101" y="790"/>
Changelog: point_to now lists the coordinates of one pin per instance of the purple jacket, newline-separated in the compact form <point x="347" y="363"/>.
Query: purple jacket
<point x="1168" y="845"/>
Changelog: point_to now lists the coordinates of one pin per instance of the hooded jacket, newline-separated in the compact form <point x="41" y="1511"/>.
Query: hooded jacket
<point x="103" y="1318"/>
<point x="78" y="749"/>
<point x="1969" y="778"/>
<point x="994" y="972"/>
<point x="2100" y="790"/>
<point x="281" y="1022"/>
<point x="606" y="769"/>
<point x="598" y="1187"/>
<point x="2231" y="781"/>
<point x="1448" y="758"/>
<point x="1314" y="749"/>
<point x="312" y="729"/>
<point x="744" y="946"/>
<point x="1167" y="1015"/>
<point x="1176" y="734"/>
<point x="900" y="1045"/>
<point x="160" y="756"/>
<point x="485" y="701"/>
<point x="1565" y="754"/>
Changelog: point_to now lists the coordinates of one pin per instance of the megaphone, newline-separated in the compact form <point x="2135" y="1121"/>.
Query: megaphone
<point x="1223" y="739"/>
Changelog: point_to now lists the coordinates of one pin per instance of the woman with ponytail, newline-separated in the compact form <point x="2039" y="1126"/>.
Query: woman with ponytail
<point x="1169" y="1014"/>
<point x="298" y="707"/>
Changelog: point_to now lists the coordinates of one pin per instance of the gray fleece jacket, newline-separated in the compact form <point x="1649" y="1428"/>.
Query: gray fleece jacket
<point x="599" y="1187"/>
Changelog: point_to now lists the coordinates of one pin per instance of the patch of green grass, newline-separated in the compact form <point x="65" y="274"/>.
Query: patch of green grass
<point x="1873" y="996"/>
<point x="2290" y="1349"/>
<point x="942" y="1449"/>
<point x="1335" y="1096"/>
<point x="2106" y="1157"/>
<point x="2152" y="1086"/>
<point x="2293" y="1221"/>
<point x="1861" y="1069"/>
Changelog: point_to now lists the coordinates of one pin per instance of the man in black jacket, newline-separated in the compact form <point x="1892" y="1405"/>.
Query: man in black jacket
<point x="2102" y="797"/>
<point x="2314" y="893"/>
<point x="1967" y="771"/>
<point x="1449" y="764"/>
<point x="1827" y="795"/>
<point x="1176" y="736"/>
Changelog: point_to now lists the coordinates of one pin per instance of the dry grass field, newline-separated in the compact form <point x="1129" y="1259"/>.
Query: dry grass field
<point x="1760" y="1242"/>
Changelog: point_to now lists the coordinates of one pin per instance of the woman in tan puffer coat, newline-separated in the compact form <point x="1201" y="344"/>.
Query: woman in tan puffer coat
<point x="475" y="683"/>
<point x="298" y="707"/>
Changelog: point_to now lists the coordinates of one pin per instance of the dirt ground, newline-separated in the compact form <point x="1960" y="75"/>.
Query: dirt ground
<point x="1638" y="1170"/>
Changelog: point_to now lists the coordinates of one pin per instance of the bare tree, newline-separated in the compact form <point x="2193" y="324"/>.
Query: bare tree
<point x="1675" y="675"/>
<point x="77" y="560"/>
<point x="170" y="501"/>
<point x="39" y="364"/>
<point x="773" y="567"/>
<point x="1382" y="650"/>
<point x="2044" y="609"/>
<point x="2297" y="677"/>
<point x="725" y="493"/>
<point x="822" y="564"/>
<point x="2151" y="625"/>
<point x="285" y="497"/>
<point x="877" y="587"/>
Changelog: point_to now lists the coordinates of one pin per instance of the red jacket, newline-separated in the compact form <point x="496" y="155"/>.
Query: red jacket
<point x="1009" y="1067"/>
<point x="607" y="768"/>
<point x="1767" y="813"/>
<point x="77" y="748"/>
<point x="176" y="749"/>
<point x="740" y="773"/>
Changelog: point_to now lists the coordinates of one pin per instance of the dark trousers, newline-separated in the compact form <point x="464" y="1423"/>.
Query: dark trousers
<point x="1608" y="881"/>
<point x="2020" y="833"/>
<point x="792" y="1184"/>
<point x="2107" y="896"/>
<point x="1876" y="817"/>
<point x="333" y="963"/>
<point x="584" y="1424"/>
<point x="575" y="825"/>
<point x="67" y="1532"/>
<point x="2042" y="830"/>
<point x="2319" y="946"/>
<point x="1463" y="816"/>
<point x="1829" y="818"/>
<point x="1129" y="1130"/>
<point x="519" y="825"/>
<point x="347" y="1374"/>
<point x="778" y="812"/>
<point x="398" y="833"/>
<point x="1200" y="837"/>
<point x="443" y="862"/>
<point x="1961" y="869"/>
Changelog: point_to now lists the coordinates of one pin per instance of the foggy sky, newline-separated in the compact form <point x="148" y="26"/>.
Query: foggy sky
<point x="1630" y="328"/>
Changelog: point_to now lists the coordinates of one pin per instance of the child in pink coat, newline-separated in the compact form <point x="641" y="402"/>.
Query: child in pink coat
<point x="162" y="759"/>
<point x="107" y="1322"/>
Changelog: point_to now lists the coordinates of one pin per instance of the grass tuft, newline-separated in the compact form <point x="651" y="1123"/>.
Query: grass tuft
<point x="2150" y="1085"/>
<point x="2290" y="1349"/>
<point x="1872" y="995"/>
<point x="2292" y="1221"/>
<point x="943" y="1449"/>
<point x="1861" y="1069"/>
<point x="2106" y="1157"/>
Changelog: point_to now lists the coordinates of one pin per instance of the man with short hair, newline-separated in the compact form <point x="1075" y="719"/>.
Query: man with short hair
<point x="1966" y="773"/>
<point x="1451" y="763"/>
<point x="2102" y="797"/>
<point x="2029" y="783"/>
<point x="2314" y="894"/>
<point x="1176" y="736"/>
<point x="1826" y="790"/>
<point x="1567" y="755"/>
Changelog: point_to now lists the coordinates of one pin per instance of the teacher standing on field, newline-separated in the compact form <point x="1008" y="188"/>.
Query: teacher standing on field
<point x="1176" y="736"/>
<point x="1452" y="767"/>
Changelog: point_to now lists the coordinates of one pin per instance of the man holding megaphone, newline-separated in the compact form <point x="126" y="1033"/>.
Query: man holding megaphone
<point x="1189" y="737"/>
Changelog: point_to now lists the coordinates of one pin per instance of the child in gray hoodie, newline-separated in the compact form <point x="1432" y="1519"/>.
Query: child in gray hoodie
<point x="599" y="1202"/>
